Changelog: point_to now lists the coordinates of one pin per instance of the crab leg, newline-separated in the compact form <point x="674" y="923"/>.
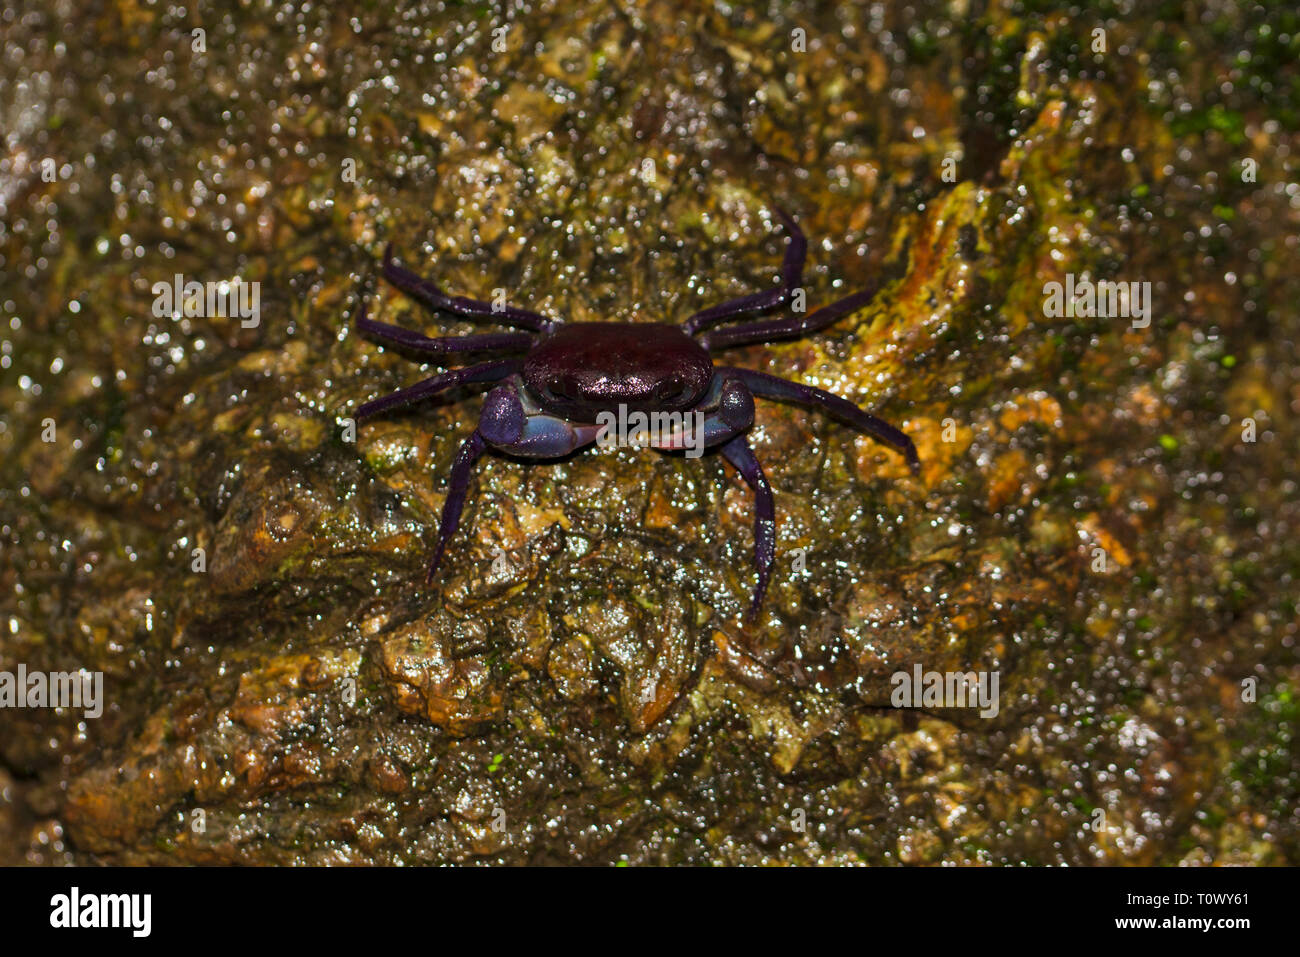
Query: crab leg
<point x="457" y="486"/>
<point x="788" y="328"/>
<point x="427" y="292"/>
<point x="739" y="454"/>
<point x="771" y="387"/>
<point x="483" y="372"/>
<point x="406" y="339"/>
<point x="791" y="275"/>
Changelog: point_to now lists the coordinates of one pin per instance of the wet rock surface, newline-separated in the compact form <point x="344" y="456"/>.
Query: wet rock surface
<point x="1106" y="515"/>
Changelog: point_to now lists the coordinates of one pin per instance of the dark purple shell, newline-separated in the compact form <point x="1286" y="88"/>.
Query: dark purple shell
<point x="586" y="368"/>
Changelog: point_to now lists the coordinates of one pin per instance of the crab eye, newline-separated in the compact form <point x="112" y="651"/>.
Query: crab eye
<point x="674" y="390"/>
<point x="555" y="388"/>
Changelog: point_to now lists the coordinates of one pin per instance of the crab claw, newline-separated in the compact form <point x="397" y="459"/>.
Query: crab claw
<point x="726" y="411"/>
<point x="501" y="422"/>
<point x="507" y="425"/>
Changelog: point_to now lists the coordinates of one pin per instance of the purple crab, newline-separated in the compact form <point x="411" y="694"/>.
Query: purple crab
<point x="560" y="381"/>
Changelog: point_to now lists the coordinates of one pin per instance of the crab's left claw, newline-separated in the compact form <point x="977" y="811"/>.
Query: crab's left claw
<point x="726" y="411"/>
